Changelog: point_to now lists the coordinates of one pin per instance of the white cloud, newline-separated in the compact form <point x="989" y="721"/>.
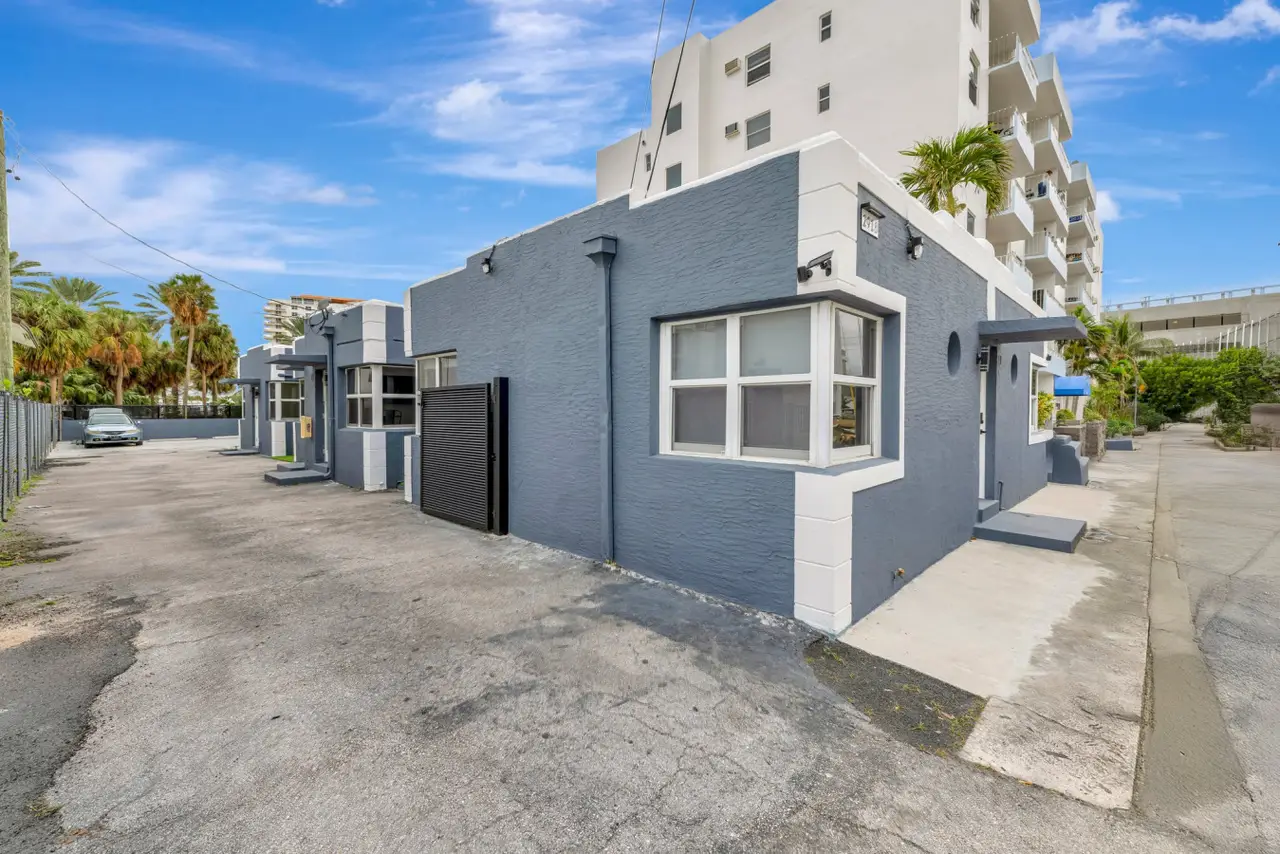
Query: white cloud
<point x="1210" y="135"/>
<point x="1113" y="23"/>
<point x="332" y="3"/>
<point x="1108" y="207"/>
<point x="221" y="213"/>
<point x="1268" y="79"/>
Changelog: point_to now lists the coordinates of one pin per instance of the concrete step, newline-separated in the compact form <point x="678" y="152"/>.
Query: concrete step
<point x="1120" y="443"/>
<point x="292" y="478"/>
<point x="1038" y="532"/>
<point x="239" y="452"/>
<point x="290" y="466"/>
<point x="987" y="507"/>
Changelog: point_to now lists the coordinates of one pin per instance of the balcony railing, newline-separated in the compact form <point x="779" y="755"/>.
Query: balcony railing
<point x="1040" y="244"/>
<point x="1013" y="191"/>
<point x="1009" y="123"/>
<point x="1021" y="275"/>
<point x="1007" y="49"/>
<point x="1046" y="187"/>
<point x="1085" y="256"/>
<point x="1046" y="130"/>
<point x="1081" y="213"/>
<point x="1083" y="298"/>
<point x="1147" y="302"/>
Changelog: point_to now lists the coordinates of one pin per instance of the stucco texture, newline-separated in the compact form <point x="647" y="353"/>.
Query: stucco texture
<point x="721" y="527"/>
<point x="911" y="523"/>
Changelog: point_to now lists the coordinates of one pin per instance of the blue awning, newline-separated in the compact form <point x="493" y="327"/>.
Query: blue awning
<point x="1071" y="386"/>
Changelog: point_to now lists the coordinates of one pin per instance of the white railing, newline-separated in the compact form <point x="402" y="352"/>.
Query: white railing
<point x="1021" y="275"/>
<point x="1081" y="213"/>
<point x="1083" y="298"/>
<point x="1046" y="130"/>
<point x="1041" y="243"/>
<point x="1013" y="191"/>
<point x="1047" y="188"/>
<point x="1007" y="49"/>
<point x="1009" y="123"/>
<point x="1086" y="257"/>
<point x="1147" y="302"/>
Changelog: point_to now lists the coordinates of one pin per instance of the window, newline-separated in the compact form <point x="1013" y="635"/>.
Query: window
<point x="749" y="385"/>
<point x="975" y="13"/>
<point x="757" y="131"/>
<point x="971" y="222"/>
<point x="285" y="401"/>
<point x="1155" y="325"/>
<point x="675" y="119"/>
<point x="673" y="176"/>
<point x="758" y="65"/>
<point x="975" y="67"/>
<point x="437" y="371"/>
<point x="824" y="97"/>
<point x="380" y="396"/>
<point x="648" y="162"/>
<point x="824" y="27"/>
<point x="1040" y="382"/>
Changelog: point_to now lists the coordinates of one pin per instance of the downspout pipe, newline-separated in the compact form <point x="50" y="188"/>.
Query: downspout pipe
<point x="602" y="251"/>
<point x="329" y="330"/>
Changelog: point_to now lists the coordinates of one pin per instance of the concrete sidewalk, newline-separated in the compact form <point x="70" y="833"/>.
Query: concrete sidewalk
<point x="1056" y="642"/>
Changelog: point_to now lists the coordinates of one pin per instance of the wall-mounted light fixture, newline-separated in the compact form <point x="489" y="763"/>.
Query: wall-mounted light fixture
<point x="915" y="245"/>
<point x="486" y="266"/>
<point x="805" y="273"/>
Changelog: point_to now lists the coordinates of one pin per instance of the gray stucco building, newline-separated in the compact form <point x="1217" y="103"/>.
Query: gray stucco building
<point x="260" y="428"/>
<point x="749" y="386"/>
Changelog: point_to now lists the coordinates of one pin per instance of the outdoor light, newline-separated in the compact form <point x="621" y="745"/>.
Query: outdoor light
<point x="805" y="273"/>
<point x="915" y="247"/>
<point x="486" y="266"/>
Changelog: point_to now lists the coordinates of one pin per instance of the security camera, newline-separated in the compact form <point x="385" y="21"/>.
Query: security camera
<point x="805" y="273"/>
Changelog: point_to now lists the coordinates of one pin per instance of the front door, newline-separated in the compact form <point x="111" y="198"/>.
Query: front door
<point x="319" y="427"/>
<point x="982" y="435"/>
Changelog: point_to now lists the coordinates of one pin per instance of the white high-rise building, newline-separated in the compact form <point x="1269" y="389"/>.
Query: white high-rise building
<point x="277" y="313"/>
<point x="884" y="75"/>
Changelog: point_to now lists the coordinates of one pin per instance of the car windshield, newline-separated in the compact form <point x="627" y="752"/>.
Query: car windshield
<point x="109" y="418"/>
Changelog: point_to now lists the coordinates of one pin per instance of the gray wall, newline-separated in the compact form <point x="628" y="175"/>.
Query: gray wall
<point x="253" y="364"/>
<point x="913" y="522"/>
<point x="723" y="528"/>
<point x="1017" y="470"/>
<point x="166" y="428"/>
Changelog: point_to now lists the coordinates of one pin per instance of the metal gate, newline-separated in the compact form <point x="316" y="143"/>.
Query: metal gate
<point x="464" y="454"/>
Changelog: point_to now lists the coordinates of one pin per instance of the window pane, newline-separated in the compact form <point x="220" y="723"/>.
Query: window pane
<point x="775" y="421"/>
<point x="448" y="370"/>
<point x="855" y="345"/>
<point x="366" y="412"/>
<point x="351" y="380"/>
<point x="427" y="373"/>
<point x="290" y="409"/>
<point x="674" y="176"/>
<point x="775" y="343"/>
<point x="758" y="130"/>
<point x="697" y="416"/>
<point x="675" y="118"/>
<point x="851" y="420"/>
<point x="365" y="384"/>
<point x="698" y="350"/>
<point x="291" y="391"/>
<point x="353" y="412"/>
<point x="273" y="390"/>
<point x="397" y="380"/>
<point x="397" y="413"/>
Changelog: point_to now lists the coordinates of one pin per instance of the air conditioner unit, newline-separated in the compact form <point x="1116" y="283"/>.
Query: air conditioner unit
<point x="730" y="131"/>
<point x="733" y="66"/>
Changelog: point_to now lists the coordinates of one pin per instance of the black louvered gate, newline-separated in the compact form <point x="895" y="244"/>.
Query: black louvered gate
<point x="464" y="454"/>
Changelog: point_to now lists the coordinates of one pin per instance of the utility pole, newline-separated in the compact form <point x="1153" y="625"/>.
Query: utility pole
<point x="6" y="286"/>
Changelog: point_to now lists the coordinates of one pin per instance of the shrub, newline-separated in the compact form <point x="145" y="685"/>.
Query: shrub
<point x="1151" y="418"/>
<point x="1064" y="415"/>
<point x="1119" y="427"/>
<point x="1044" y="409"/>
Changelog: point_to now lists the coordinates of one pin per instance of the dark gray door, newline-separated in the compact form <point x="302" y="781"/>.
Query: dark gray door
<point x="320" y="422"/>
<point x="464" y="454"/>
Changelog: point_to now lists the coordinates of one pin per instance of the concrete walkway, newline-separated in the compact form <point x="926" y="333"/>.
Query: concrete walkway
<point x="207" y="663"/>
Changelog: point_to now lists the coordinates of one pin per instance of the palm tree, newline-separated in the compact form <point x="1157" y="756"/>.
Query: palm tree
<point x="1080" y="353"/>
<point x="59" y="333"/>
<point x="291" y="328"/>
<point x="975" y="156"/>
<point x="161" y="369"/>
<point x="215" y="355"/>
<point x="120" y="339"/>
<point x="184" y="302"/>
<point x="20" y="272"/>
<point x="82" y="292"/>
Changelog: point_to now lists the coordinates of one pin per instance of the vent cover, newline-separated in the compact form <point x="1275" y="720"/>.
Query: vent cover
<point x="731" y="130"/>
<point x="733" y="66"/>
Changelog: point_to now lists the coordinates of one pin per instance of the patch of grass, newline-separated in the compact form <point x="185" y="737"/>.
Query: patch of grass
<point x="41" y="808"/>
<point x="284" y="458"/>
<point x="18" y="547"/>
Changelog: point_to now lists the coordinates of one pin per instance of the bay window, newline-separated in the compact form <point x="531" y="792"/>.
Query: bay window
<point x="380" y="396"/>
<point x="748" y="385"/>
<point x="284" y="400"/>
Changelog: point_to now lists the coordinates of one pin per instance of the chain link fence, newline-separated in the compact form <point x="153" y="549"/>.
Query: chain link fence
<point x="28" y="434"/>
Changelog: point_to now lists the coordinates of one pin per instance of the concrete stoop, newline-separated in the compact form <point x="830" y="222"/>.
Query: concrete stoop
<point x="293" y="478"/>
<point x="239" y="452"/>
<point x="1038" y="532"/>
<point x="987" y="507"/>
<point x="291" y="466"/>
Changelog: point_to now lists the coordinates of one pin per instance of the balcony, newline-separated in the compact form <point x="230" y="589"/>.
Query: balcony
<point x="1021" y="275"/>
<point x="1078" y="294"/>
<point x="1016" y="16"/>
<point x="1050" y="155"/>
<point x="1081" y="190"/>
<point x="1083" y="261"/>
<point x="1011" y="124"/>
<point x="1082" y="224"/>
<point x="1015" y="220"/>
<point x="1046" y="256"/>
<point x="1011" y="80"/>
<point x="1048" y="204"/>
<point x="1051" y="96"/>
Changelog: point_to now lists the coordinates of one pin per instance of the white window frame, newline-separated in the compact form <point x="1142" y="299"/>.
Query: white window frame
<point x="1039" y="367"/>
<point x="274" y="399"/>
<point x="766" y="63"/>
<point x="824" y="26"/>
<point x="680" y="176"/>
<point x="434" y="360"/>
<point x="767" y="130"/>
<point x="824" y="101"/>
<point x="821" y="379"/>
<point x="376" y="396"/>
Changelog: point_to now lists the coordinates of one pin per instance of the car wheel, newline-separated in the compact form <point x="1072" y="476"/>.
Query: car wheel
<point x="138" y="443"/>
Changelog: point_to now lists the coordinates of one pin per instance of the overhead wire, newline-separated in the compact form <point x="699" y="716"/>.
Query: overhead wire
<point x="653" y="64"/>
<point x="124" y="231"/>
<point x="671" y="96"/>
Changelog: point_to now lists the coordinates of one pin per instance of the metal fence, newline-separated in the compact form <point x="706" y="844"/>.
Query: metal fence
<point x="28" y="429"/>
<point x="79" y="412"/>
<point x="1263" y="332"/>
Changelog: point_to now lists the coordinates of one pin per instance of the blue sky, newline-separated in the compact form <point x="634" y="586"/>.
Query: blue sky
<point x="351" y="147"/>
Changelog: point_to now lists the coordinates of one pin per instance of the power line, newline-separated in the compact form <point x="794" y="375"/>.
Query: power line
<point x="670" y="97"/>
<point x="657" y="40"/>
<point x="124" y="231"/>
